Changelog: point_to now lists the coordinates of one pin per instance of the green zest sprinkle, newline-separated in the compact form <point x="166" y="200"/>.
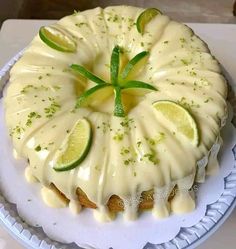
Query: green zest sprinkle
<point x="117" y="80"/>
<point x="185" y="62"/>
<point x="127" y="123"/>
<point x="155" y="140"/>
<point x="139" y="143"/>
<point x="27" y="88"/>
<point x="52" y="109"/>
<point x="118" y="136"/>
<point x="151" y="157"/>
<point x="31" y="117"/>
<point x="38" y="148"/>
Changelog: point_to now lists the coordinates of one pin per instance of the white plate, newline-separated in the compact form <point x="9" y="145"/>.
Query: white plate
<point x="189" y="237"/>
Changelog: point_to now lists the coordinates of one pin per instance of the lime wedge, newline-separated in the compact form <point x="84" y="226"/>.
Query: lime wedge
<point x="145" y="17"/>
<point x="181" y="118"/>
<point x="57" y="39"/>
<point x="115" y="64"/>
<point x="87" y="74"/>
<point x="134" y="65"/>
<point x="94" y="95"/>
<point x="75" y="148"/>
<point x="138" y="84"/>
<point x="119" y="109"/>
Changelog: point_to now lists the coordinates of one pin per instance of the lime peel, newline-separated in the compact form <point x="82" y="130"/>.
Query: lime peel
<point x="130" y="66"/>
<point x="75" y="147"/>
<point x="145" y="17"/>
<point x="57" y="39"/>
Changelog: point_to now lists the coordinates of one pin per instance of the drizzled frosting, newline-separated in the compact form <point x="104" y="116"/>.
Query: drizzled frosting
<point x="128" y="155"/>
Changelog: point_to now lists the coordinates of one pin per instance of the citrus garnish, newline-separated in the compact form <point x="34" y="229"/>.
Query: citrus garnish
<point x="114" y="65"/>
<point x="181" y="118"/>
<point x="87" y="74"/>
<point x="131" y="67"/>
<point x="118" y="82"/>
<point x="145" y="17"/>
<point x="57" y="39"/>
<point x="86" y="97"/>
<point x="75" y="147"/>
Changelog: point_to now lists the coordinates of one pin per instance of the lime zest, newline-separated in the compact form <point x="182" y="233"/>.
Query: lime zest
<point x="82" y="100"/>
<point x="130" y="65"/>
<point x="183" y="120"/>
<point x="75" y="147"/>
<point x="145" y="17"/>
<point x="87" y="74"/>
<point x="119" y="109"/>
<point x="115" y="64"/>
<point x="57" y="39"/>
<point x="138" y="84"/>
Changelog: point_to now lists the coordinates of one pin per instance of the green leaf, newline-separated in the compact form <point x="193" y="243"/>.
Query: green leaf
<point x="84" y="97"/>
<point x="119" y="109"/>
<point x="87" y="74"/>
<point x="138" y="84"/>
<point x="114" y="65"/>
<point x="130" y="65"/>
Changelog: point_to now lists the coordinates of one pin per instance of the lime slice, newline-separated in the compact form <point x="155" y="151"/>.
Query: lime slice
<point x="57" y="39"/>
<point x="138" y="84"/>
<point x="181" y="118"/>
<point x="92" y="95"/>
<point x="134" y="65"/>
<point x="115" y="64"/>
<point x="137" y="88"/>
<point x="145" y="17"/>
<point x="119" y="109"/>
<point x="75" y="148"/>
<point x="87" y="74"/>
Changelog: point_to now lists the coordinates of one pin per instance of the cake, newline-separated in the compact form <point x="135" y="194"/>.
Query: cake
<point x="146" y="132"/>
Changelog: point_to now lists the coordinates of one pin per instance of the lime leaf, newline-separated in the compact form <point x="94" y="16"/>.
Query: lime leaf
<point x="84" y="98"/>
<point x="57" y="39"/>
<point x="181" y="118"/>
<point x="119" y="109"/>
<point x="145" y="17"/>
<point x="87" y="74"/>
<point x="130" y="66"/>
<point x="75" y="148"/>
<point x="115" y="64"/>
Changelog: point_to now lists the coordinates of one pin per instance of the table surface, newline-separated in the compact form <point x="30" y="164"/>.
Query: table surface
<point x="14" y="36"/>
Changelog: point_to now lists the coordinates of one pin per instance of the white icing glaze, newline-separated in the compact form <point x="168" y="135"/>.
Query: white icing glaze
<point x="102" y="214"/>
<point x="182" y="202"/>
<point x="213" y="165"/>
<point x="161" y="207"/>
<point x="52" y="198"/>
<point x="29" y="176"/>
<point x="75" y="206"/>
<point x="179" y="65"/>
